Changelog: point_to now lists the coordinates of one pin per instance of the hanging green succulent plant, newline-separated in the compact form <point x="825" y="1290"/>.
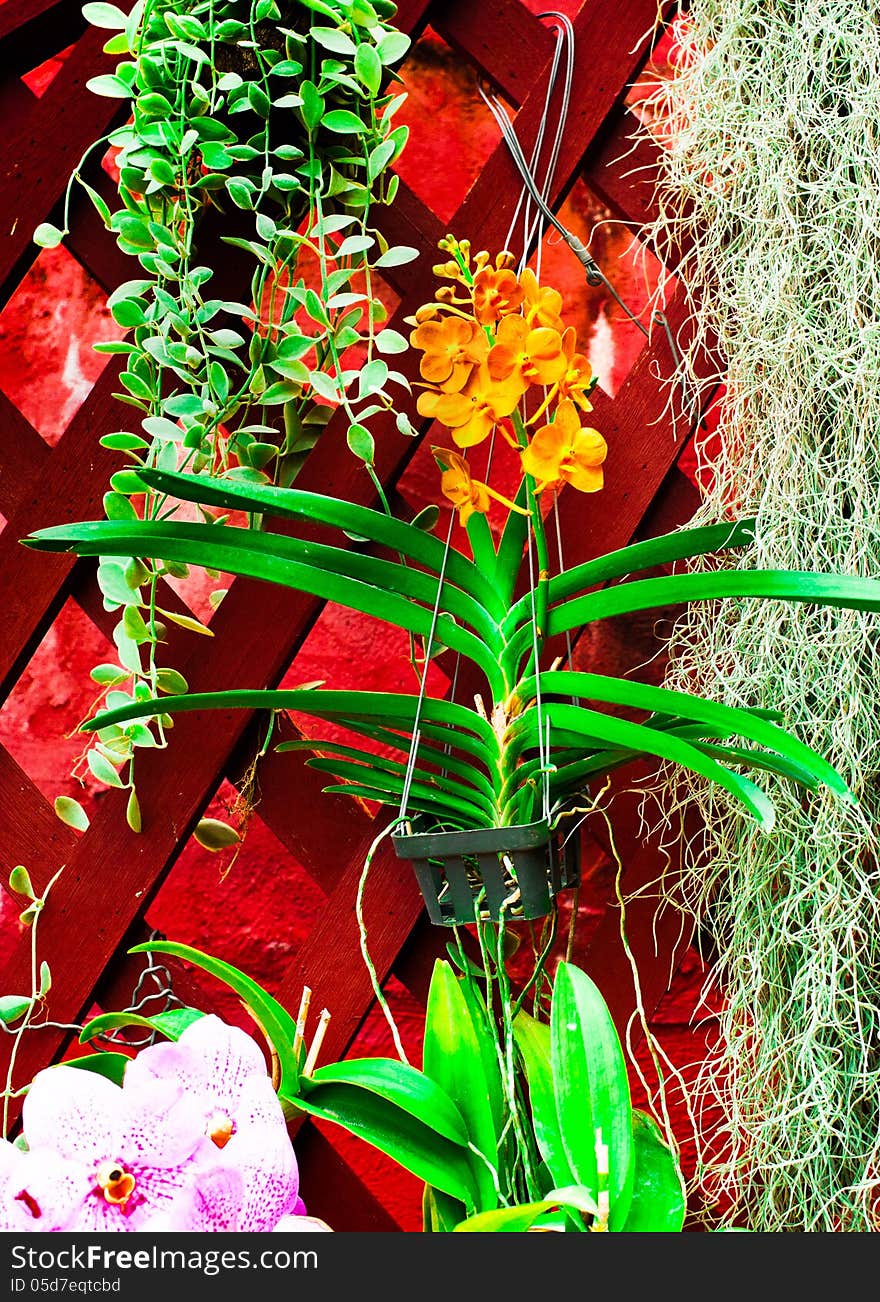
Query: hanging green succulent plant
<point x="261" y="132"/>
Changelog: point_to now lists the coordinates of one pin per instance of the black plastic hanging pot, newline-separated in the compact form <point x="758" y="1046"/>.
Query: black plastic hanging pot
<point x="495" y="873"/>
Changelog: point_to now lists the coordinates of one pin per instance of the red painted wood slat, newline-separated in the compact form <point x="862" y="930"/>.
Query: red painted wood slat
<point x="32" y="179"/>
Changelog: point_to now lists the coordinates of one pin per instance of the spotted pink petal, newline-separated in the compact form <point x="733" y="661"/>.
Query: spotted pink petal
<point x="270" y="1175"/>
<point x="38" y="1190"/>
<point x="151" y="1133"/>
<point x="219" y="1191"/>
<point x="223" y="1069"/>
<point x="210" y="1056"/>
<point x="164" y="1194"/>
<point x="77" y="1113"/>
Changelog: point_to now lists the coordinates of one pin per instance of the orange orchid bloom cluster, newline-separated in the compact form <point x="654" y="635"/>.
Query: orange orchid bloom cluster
<point x="496" y="355"/>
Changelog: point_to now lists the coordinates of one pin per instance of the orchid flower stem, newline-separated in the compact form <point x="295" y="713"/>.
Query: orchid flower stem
<point x="542" y="553"/>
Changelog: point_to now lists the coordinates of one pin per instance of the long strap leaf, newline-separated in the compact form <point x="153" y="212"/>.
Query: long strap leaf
<point x="841" y="591"/>
<point x="272" y="1017"/>
<point x="294" y="504"/>
<point x="390" y="708"/>
<point x="724" y="720"/>
<point x="442" y="764"/>
<point x="677" y="546"/>
<point x="386" y="785"/>
<point x="440" y="811"/>
<point x="510" y="548"/>
<point x="523" y="733"/>
<point x="571" y="772"/>
<point x="838" y="590"/>
<point x="260" y="556"/>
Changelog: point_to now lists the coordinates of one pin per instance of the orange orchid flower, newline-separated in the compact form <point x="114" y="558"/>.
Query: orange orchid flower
<point x="472" y="414"/>
<point x="466" y="493"/>
<point x="495" y="293"/>
<point x="453" y="346"/>
<point x="564" y="453"/>
<point x="530" y="356"/>
<point x="542" y="306"/>
<point x="578" y="377"/>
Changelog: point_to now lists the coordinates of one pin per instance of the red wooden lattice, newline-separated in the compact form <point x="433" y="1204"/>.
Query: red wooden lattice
<point x="101" y="903"/>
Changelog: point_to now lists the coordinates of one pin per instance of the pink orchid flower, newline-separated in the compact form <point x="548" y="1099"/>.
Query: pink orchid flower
<point x="222" y="1071"/>
<point x="132" y="1157"/>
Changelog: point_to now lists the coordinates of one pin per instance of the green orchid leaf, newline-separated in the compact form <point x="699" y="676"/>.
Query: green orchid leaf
<point x="510" y="549"/>
<point x="482" y="546"/>
<point x="644" y="741"/>
<point x="388" y="576"/>
<point x="443" y="762"/>
<point x="273" y="1019"/>
<point x="534" y="1215"/>
<point x="487" y="1041"/>
<point x="761" y="761"/>
<point x="109" y="1065"/>
<point x="507" y="1220"/>
<point x="398" y="1083"/>
<point x="294" y="504"/>
<point x="840" y="591"/>
<point x="416" y="1147"/>
<point x="532" y="1040"/>
<point x="683" y="544"/>
<point x="593" y="1101"/>
<point x="436" y="810"/>
<point x="452" y="1057"/>
<point x="724" y="720"/>
<point x="344" y="707"/>
<point x="388" y="787"/>
<point x="571" y="772"/>
<point x="171" y="1024"/>
<point x="268" y="558"/>
<point x="467" y="731"/>
<point x="658" y="1202"/>
<point x="440" y="1213"/>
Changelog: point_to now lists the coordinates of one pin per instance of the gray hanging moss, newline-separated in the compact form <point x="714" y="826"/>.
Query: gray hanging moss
<point x="771" y="182"/>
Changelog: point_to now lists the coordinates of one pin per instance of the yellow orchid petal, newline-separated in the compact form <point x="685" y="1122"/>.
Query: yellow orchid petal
<point x="542" y="456"/>
<point x="474" y="431"/>
<point x="586" y="479"/>
<point x="452" y="347"/>
<point x="564" y="453"/>
<point x="502" y="360"/>
<point x="495" y="293"/>
<point x="453" y="409"/>
<point x="589" y="449"/>
<point x="426" y="403"/>
<point x="435" y="367"/>
<point x="466" y="494"/>
<point x="542" y="306"/>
